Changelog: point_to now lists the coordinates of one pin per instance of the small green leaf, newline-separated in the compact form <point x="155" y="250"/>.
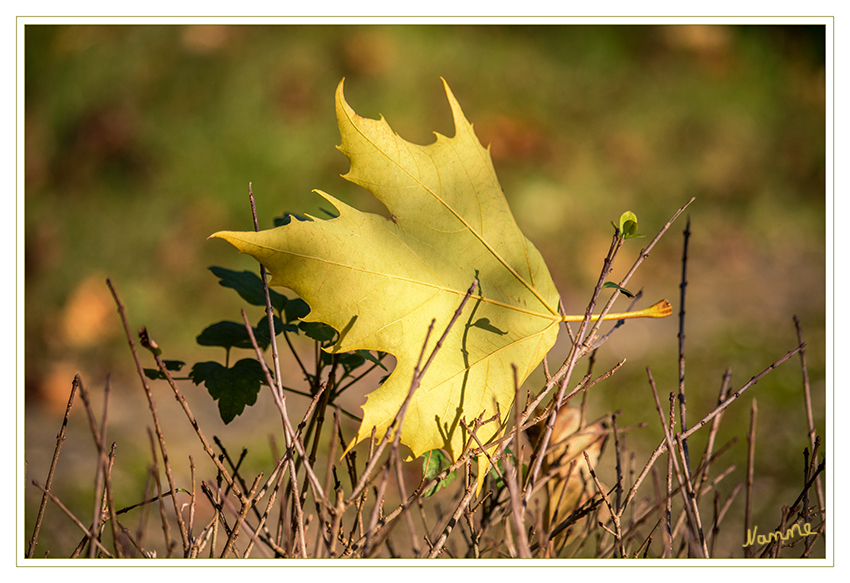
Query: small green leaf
<point x="249" y="285"/>
<point x="233" y="387"/>
<point x="433" y="463"/>
<point x="628" y="225"/>
<point x="231" y="334"/>
<point x="623" y="290"/>
<point x="156" y="374"/>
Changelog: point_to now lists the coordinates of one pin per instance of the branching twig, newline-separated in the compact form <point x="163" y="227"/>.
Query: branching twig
<point x="152" y="407"/>
<point x="583" y="343"/>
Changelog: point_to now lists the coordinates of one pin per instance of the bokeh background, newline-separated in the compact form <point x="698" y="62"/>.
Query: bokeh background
<point x="141" y="141"/>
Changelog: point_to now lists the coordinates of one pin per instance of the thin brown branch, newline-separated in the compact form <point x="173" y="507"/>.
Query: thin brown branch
<point x="513" y="481"/>
<point x="668" y="494"/>
<point x="269" y="310"/>
<point x="166" y="529"/>
<point x="109" y="498"/>
<point x="152" y="407"/>
<point x="702" y="474"/>
<point x="807" y="397"/>
<point x="717" y="410"/>
<point x="662" y="500"/>
<point x="751" y="450"/>
<point x="411" y="529"/>
<point x="192" y="499"/>
<point x="108" y="469"/>
<point x="60" y="439"/>
<point x="721" y="513"/>
<point x="683" y="417"/>
<point x="368" y="548"/>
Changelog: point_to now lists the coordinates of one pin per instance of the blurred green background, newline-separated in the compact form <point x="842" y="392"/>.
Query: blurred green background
<point x="141" y="141"/>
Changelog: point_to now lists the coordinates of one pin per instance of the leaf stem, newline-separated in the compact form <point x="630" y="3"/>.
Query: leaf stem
<point x="661" y="309"/>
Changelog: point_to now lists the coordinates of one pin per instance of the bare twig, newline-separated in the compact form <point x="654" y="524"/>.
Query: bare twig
<point x="192" y="498"/>
<point x="403" y="494"/>
<point x="166" y="529"/>
<point x="722" y="406"/>
<point x="108" y="469"/>
<point x="269" y="310"/>
<point x="152" y="407"/>
<point x="719" y="515"/>
<point x="60" y="438"/>
<point x="662" y="447"/>
<point x="683" y="286"/>
<point x="368" y="548"/>
<point x="807" y="396"/>
<point x="646" y="512"/>
<point x="751" y="450"/>
<point x="772" y="548"/>
<point x="702" y="475"/>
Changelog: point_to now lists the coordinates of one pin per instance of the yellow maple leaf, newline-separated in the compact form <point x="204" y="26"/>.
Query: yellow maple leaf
<point x="379" y="282"/>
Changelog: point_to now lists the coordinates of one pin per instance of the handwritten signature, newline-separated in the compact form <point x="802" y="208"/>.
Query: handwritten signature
<point x="806" y="530"/>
